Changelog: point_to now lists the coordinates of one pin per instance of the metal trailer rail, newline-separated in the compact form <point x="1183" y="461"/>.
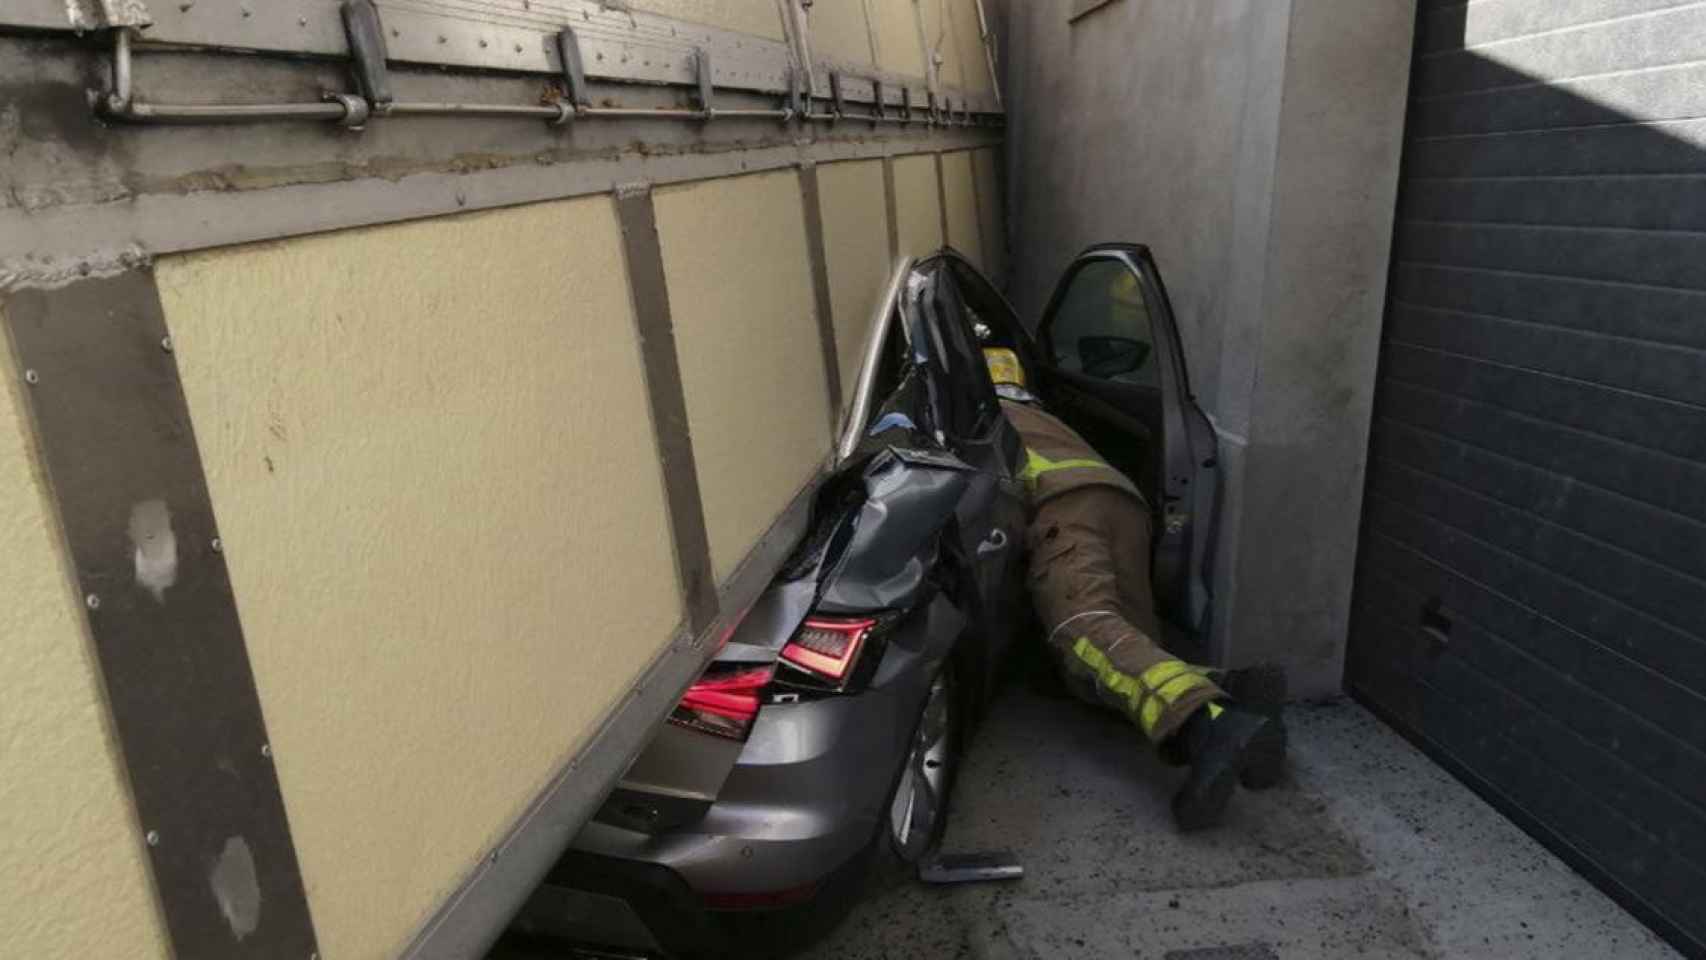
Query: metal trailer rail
<point x="366" y="37"/>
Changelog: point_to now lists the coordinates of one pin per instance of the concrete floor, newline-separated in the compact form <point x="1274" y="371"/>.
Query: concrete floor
<point x="1368" y="850"/>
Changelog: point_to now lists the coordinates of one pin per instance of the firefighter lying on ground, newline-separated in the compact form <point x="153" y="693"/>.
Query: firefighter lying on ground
<point x="1087" y="548"/>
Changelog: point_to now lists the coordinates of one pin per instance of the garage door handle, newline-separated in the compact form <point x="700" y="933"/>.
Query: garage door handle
<point x="994" y="543"/>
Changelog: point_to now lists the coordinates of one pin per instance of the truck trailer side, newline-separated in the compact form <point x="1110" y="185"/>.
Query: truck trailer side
<point x="399" y="401"/>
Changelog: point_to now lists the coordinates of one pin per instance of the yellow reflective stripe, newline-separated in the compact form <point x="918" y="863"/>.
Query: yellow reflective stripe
<point x="1145" y="696"/>
<point x="1215" y="710"/>
<point x="1036" y="465"/>
<point x="1192" y="680"/>
<point x="1164" y="673"/>
<point x="1150" y="716"/>
<point x="1126" y="686"/>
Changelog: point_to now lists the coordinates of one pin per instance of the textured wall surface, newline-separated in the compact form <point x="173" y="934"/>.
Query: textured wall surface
<point x="1080" y="178"/>
<point x="75" y="883"/>
<point x="918" y="204"/>
<point x="760" y="17"/>
<point x="412" y="459"/>
<point x="959" y="196"/>
<point x="1329" y="242"/>
<point x="740" y="293"/>
<point x="991" y="213"/>
<point x="856" y="249"/>
<point x="895" y="26"/>
<point x="839" y="31"/>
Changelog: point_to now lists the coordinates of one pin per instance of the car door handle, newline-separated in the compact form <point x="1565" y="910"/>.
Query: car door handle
<point x="994" y="543"/>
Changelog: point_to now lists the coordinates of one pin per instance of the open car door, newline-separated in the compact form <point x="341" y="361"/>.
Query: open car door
<point x="1113" y="368"/>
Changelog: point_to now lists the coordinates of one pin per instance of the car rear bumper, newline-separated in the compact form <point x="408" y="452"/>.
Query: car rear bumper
<point x="805" y="796"/>
<point x="786" y="837"/>
<point x="614" y="908"/>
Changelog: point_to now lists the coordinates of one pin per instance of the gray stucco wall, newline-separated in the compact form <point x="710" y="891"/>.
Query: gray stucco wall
<point x="1254" y="146"/>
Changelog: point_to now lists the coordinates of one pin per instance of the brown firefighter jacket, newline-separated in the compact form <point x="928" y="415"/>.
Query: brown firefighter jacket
<point x="1057" y="459"/>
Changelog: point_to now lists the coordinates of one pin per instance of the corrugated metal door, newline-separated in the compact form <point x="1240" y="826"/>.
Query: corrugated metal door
<point x="1531" y="590"/>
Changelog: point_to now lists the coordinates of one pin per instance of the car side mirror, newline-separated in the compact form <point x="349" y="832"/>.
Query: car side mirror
<point x="1111" y="356"/>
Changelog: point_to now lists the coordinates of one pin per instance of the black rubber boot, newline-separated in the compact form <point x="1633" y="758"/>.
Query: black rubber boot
<point x="1261" y="689"/>
<point x="1225" y="744"/>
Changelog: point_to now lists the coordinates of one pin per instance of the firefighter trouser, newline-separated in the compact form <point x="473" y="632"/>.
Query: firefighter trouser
<point x="1089" y="578"/>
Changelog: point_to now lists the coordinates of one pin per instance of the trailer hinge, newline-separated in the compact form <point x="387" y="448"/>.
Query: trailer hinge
<point x="838" y="102"/>
<point x="106" y="14"/>
<point x="707" y="90"/>
<point x="797" y="96"/>
<point x="877" y="99"/>
<point x="368" y="56"/>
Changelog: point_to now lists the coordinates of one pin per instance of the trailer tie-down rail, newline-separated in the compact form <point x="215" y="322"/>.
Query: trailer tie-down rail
<point x="369" y="63"/>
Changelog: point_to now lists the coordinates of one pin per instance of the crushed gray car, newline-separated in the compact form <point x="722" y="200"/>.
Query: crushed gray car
<point x="825" y="733"/>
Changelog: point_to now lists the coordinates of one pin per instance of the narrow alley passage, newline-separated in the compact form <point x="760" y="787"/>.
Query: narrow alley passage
<point x="1367" y="850"/>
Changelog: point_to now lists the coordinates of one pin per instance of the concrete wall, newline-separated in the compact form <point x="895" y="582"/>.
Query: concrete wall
<point x="1253" y="145"/>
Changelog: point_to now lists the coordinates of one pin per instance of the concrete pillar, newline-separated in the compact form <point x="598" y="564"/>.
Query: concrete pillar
<point x="1254" y="145"/>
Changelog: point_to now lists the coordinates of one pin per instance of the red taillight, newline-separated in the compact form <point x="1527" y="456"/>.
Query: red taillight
<point x="828" y="646"/>
<point x="759" y="901"/>
<point x="724" y="705"/>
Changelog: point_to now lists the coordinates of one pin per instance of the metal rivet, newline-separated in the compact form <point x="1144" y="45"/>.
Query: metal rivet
<point x="153" y="838"/>
<point x="166" y="344"/>
<point x="218" y="545"/>
<point x="93" y="601"/>
<point x="31" y="377"/>
<point x="266" y="749"/>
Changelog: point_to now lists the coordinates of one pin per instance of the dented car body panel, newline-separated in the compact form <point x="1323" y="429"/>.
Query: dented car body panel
<point x="918" y="533"/>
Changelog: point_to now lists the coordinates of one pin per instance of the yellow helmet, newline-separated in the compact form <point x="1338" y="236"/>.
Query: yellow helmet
<point x="1123" y="288"/>
<point x="1004" y="366"/>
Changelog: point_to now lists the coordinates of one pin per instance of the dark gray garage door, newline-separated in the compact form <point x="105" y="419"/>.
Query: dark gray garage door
<point x="1531" y="589"/>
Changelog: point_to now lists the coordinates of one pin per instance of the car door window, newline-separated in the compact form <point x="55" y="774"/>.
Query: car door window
<point x="1102" y="326"/>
